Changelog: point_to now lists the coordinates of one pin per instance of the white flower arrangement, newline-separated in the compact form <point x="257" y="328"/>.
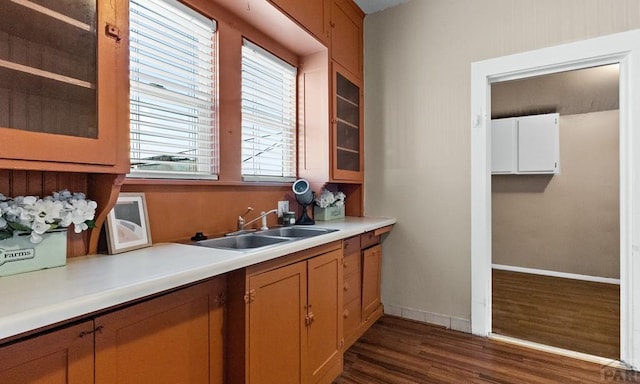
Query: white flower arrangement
<point x="36" y="215"/>
<point x="330" y="199"/>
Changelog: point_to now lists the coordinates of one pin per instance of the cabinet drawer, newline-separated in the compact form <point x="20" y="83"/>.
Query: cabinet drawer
<point x="352" y="317"/>
<point x="351" y="245"/>
<point x="368" y="239"/>
<point x="352" y="287"/>
<point x="351" y="264"/>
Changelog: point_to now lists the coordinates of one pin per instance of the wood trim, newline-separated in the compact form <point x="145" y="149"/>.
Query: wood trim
<point x="293" y="258"/>
<point x="383" y="230"/>
<point x="104" y="190"/>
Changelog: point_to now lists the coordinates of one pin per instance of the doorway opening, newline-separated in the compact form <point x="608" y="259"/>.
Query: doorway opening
<point x="556" y="237"/>
<point x="622" y="49"/>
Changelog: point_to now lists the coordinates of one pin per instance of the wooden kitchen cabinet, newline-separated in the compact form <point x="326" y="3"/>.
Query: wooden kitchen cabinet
<point x="174" y="338"/>
<point x="277" y="306"/>
<point x="64" y="356"/>
<point x="347" y="21"/>
<point x="314" y="15"/>
<point x="347" y="127"/>
<point x="362" y="281"/>
<point x="177" y="337"/>
<point x="285" y="319"/>
<point x="371" y="267"/>
<point x="63" y="72"/>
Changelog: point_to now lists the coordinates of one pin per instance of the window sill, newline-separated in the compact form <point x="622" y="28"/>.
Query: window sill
<point x="217" y="183"/>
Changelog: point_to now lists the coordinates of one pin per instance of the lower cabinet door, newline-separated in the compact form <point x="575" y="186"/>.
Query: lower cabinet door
<point x="174" y="338"/>
<point x="371" y="264"/>
<point x="64" y="356"/>
<point x="324" y="317"/>
<point x="277" y="325"/>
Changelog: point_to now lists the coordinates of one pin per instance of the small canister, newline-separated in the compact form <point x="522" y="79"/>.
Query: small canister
<point x="289" y="218"/>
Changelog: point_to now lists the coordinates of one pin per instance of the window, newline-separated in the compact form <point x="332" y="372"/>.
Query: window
<point x="173" y="91"/>
<point x="268" y="116"/>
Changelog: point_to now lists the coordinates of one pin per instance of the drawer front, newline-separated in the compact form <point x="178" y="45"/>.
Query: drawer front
<point x="352" y="287"/>
<point x="351" y="264"/>
<point x="352" y="317"/>
<point x="368" y="239"/>
<point x="351" y="245"/>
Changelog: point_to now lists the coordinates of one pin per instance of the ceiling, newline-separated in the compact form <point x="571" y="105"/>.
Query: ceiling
<point x="371" y="6"/>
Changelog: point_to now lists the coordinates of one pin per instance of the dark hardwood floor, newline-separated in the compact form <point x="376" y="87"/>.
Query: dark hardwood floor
<point x="400" y="351"/>
<point x="572" y="314"/>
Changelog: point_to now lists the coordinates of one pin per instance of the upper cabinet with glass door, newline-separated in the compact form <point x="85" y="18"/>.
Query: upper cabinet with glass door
<point x="348" y="139"/>
<point x="60" y="73"/>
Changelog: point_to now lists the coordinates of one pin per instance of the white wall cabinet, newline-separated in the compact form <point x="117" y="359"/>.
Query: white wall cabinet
<point x="526" y="145"/>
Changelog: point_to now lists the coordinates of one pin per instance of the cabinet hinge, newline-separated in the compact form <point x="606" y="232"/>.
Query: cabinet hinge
<point x="341" y="343"/>
<point x="250" y="296"/>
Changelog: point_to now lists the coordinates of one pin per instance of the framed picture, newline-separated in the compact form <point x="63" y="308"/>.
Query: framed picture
<point x="128" y="224"/>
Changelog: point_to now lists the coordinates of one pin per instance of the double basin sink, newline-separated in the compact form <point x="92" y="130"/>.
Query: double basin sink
<point x="253" y="240"/>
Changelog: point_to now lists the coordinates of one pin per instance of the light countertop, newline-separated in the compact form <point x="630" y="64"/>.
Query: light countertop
<point x="89" y="284"/>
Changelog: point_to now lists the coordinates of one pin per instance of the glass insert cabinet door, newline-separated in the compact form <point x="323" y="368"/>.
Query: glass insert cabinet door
<point x="54" y="55"/>
<point x="347" y="161"/>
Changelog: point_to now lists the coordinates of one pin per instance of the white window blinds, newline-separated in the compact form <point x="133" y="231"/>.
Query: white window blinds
<point x="173" y="91"/>
<point x="268" y="116"/>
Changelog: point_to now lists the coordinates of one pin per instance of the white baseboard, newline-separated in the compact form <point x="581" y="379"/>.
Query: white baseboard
<point x="565" y="275"/>
<point x="455" y="323"/>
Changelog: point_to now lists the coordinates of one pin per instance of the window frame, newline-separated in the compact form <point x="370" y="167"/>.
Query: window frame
<point x="191" y="112"/>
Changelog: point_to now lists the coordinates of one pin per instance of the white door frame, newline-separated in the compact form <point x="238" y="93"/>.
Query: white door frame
<point x="622" y="48"/>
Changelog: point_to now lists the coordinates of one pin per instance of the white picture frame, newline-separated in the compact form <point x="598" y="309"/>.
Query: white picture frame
<point x="128" y="224"/>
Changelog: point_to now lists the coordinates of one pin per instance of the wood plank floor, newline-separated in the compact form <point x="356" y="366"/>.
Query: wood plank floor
<point x="400" y="351"/>
<point x="572" y="314"/>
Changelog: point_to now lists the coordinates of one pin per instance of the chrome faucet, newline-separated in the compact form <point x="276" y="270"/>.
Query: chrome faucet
<point x="263" y="216"/>
<point x="242" y="223"/>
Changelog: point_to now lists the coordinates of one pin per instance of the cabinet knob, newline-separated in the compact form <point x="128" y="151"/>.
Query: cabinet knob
<point x="345" y="264"/>
<point x="346" y="286"/>
<point x="346" y="313"/>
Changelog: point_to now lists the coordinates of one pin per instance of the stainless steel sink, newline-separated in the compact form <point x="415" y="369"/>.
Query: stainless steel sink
<point x="264" y="238"/>
<point x="248" y="241"/>
<point x="296" y="232"/>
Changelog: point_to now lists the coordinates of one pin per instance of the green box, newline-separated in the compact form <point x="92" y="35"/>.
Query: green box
<point x="18" y="254"/>
<point x="329" y="213"/>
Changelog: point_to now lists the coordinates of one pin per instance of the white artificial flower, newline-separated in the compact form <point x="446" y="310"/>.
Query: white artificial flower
<point x="48" y="210"/>
<point x="26" y="200"/>
<point x="329" y="199"/>
<point x="40" y="227"/>
<point x="61" y="209"/>
<point x="35" y="238"/>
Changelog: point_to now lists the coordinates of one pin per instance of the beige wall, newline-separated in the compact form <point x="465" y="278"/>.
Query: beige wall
<point x="567" y="222"/>
<point x="417" y="119"/>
